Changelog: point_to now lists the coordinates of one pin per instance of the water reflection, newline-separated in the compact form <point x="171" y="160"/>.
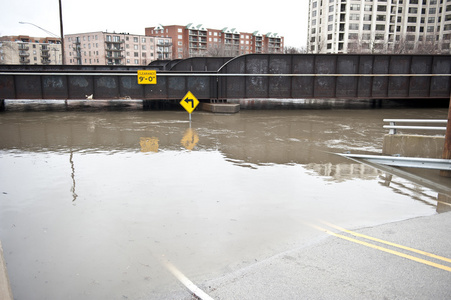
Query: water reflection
<point x="72" y="175"/>
<point x="149" y="144"/>
<point x="190" y="139"/>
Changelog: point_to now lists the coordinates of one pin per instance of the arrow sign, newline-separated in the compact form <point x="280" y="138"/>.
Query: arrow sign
<point x="189" y="102"/>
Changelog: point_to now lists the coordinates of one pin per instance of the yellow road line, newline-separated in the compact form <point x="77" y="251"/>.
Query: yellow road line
<point x="420" y="260"/>
<point x="388" y="243"/>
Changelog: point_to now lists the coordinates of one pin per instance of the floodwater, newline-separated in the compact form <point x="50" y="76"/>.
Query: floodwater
<point x="93" y="204"/>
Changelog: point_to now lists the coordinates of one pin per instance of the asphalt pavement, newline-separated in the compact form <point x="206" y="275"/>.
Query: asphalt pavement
<point x="409" y="259"/>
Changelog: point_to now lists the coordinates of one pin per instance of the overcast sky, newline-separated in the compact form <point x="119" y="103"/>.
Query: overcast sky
<point x="287" y="18"/>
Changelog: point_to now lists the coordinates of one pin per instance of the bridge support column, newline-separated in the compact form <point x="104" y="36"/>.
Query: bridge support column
<point x="447" y="148"/>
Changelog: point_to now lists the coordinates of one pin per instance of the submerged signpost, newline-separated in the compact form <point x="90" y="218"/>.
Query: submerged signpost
<point x="189" y="103"/>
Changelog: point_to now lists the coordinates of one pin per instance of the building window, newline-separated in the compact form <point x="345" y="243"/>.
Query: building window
<point x="413" y="1"/>
<point x="413" y="10"/>
<point x="380" y="18"/>
<point x="353" y="26"/>
<point x="366" y="17"/>
<point x="381" y="8"/>
<point x="329" y="46"/>
<point x="430" y="29"/>
<point x="368" y="8"/>
<point x="412" y="19"/>
<point x="431" y="20"/>
<point x="366" y="26"/>
<point x="331" y="8"/>
<point x="355" y="7"/>
<point x="366" y="36"/>
<point x="411" y="28"/>
<point x="432" y="10"/>
<point x="354" y="17"/>
<point x="330" y="27"/>
<point x="380" y="27"/>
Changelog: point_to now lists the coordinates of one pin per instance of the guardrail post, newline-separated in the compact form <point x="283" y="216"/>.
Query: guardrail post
<point x="392" y="130"/>
<point x="447" y="148"/>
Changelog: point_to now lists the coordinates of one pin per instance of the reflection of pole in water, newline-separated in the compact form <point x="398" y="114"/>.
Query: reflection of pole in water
<point x="74" y="195"/>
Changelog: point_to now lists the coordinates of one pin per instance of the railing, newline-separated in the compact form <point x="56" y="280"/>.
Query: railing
<point x="393" y="127"/>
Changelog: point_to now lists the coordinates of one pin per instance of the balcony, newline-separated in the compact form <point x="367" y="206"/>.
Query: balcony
<point x="114" y="55"/>
<point x="109" y="48"/>
<point x="23" y="54"/>
<point x="23" y="47"/>
<point x="45" y="61"/>
<point x="114" y="42"/>
<point x="45" y="54"/>
<point x="165" y="44"/>
<point x="24" y="60"/>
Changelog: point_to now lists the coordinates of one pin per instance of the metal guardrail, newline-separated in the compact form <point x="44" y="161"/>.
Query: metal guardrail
<point x="393" y="126"/>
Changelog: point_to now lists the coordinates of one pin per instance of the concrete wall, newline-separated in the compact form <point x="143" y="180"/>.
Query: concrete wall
<point x="414" y="145"/>
<point x="5" y="288"/>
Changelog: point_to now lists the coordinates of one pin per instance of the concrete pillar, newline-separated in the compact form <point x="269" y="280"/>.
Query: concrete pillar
<point x="447" y="148"/>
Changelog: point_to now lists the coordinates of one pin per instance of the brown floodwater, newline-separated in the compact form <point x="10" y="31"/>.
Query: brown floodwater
<point x="92" y="203"/>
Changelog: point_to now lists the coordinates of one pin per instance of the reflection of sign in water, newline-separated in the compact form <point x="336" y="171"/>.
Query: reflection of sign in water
<point x="147" y="77"/>
<point x="190" y="139"/>
<point x="189" y="102"/>
<point x="148" y="144"/>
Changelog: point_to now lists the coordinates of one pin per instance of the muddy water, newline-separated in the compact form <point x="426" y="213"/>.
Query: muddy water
<point x="93" y="203"/>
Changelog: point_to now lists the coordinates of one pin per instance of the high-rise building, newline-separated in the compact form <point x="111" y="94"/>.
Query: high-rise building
<point x="196" y="40"/>
<point x="104" y="48"/>
<point x="26" y="50"/>
<point x="379" y="26"/>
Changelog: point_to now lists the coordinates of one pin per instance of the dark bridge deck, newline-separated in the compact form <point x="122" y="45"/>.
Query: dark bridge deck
<point x="251" y="76"/>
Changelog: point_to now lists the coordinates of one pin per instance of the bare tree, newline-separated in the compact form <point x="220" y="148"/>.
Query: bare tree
<point x="294" y="50"/>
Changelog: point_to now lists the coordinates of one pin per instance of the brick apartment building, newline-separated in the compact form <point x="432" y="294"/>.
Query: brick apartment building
<point x="196" y="40"/>
<point x="104" y="48"/>
<point x="26" y="50"/>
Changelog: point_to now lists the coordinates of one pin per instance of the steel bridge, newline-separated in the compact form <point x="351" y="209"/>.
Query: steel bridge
<point x="253" y="76"/>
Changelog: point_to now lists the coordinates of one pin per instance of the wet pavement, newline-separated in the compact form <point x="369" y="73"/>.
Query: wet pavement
<point x="93" y="204"/>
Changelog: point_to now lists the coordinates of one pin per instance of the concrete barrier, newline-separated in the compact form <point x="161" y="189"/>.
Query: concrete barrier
<point x="225" y="108"/>
<point x="5" y="288"/>
<point x="414" y="145"/>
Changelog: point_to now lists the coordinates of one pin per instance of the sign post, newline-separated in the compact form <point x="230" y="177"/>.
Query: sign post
<point x="189" y="103"/>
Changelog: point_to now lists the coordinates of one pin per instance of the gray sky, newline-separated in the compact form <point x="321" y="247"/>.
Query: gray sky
<point x="287" y="18"/>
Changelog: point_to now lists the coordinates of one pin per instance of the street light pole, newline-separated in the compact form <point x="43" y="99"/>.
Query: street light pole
<point x="62" y="34"/>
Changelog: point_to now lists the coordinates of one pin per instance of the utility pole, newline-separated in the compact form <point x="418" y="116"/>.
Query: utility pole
<point x="62" y="34"/>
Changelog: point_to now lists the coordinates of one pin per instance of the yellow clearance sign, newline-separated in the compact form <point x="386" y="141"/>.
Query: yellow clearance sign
<point x="189" y="102"/>
<point x="147" y="77"/>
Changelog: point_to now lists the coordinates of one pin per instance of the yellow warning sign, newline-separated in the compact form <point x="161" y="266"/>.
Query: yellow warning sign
<point x="147" y="77"/>
<point x="189" y="102"/>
